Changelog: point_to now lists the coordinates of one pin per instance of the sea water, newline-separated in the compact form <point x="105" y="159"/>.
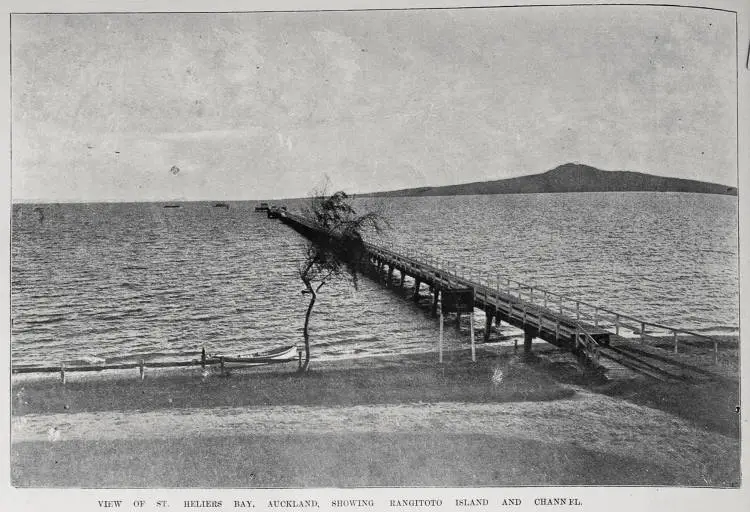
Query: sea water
<point x="126" y="281"/>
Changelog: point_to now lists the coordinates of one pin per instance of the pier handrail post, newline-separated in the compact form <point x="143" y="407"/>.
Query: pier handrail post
<point x="557" y="330"/>
<point x="62" y="372"/>
<point x="143" y="369"/>
<point x="674" y="333"/>
<point x="498" y="285"/>
<point x="508" y="287"/>
<point x="531" y="295"/>
<point x="617" y="324"/>
<point x="545" y="299"/>
<point x="643" y="332"/>
<point x="578" y="311"/>
<point x="596" y="317"/>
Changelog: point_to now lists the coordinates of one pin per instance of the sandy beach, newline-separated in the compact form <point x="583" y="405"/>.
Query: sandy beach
<point x="398" y="421"/>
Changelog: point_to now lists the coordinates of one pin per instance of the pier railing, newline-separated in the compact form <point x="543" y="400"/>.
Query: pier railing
<point x="143" y="365"/>
<point x="618" y="323"/>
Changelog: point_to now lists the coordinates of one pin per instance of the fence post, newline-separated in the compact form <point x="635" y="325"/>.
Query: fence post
<point x="440" y="342"/>
<point x="471" y="327"/>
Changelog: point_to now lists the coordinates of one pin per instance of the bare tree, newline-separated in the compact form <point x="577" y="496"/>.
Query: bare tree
<point x="336" y="252"/>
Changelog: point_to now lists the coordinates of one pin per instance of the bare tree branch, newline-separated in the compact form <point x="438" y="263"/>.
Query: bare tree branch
<point x="337" y="253"/>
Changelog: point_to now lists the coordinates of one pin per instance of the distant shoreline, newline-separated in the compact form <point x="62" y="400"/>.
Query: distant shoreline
<point x="565" y="179"/>
<point x="367" y="195"/>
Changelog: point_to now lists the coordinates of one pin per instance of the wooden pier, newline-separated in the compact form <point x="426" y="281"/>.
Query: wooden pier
<point x="600" y="337"/>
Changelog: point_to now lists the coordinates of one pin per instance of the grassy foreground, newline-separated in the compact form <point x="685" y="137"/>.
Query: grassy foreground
<point x="403" y="421"/>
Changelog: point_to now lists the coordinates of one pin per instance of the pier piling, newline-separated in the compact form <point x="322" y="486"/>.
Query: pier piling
<point x="487" y="325"/>
<point x="528" y="336"/>
<point x="417" y="284"/>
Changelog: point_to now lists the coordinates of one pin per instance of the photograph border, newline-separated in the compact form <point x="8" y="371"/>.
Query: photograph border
<point x="593" y="497"/>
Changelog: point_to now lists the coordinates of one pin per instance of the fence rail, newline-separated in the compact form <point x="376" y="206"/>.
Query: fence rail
<point x="220" y="361"/>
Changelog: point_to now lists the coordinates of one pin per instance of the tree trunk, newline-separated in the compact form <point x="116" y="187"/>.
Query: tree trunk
<point x="306" y="332"/>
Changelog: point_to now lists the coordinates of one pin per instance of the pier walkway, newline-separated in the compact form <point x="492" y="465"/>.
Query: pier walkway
<point x="606" y="339"/>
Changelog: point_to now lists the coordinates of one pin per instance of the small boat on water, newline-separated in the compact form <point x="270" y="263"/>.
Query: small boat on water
<point x="263" y="207"/>
<point x="221" y="205"/>
<point x="171" y="206"/>
<point x="277" y="355"/>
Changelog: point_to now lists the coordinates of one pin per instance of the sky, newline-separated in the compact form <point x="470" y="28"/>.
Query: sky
<point x="269" y="105"/>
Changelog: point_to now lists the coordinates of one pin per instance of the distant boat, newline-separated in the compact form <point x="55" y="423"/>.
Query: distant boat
<point x="171" y="206"/>
<point x="221" y="205"/>
<point x="262" y="208"/>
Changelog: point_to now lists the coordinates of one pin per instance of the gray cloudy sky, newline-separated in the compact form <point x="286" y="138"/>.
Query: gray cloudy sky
<point x="254" y="105"/>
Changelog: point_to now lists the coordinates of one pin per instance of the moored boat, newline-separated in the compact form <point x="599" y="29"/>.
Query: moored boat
<point x="277" y="355"/>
